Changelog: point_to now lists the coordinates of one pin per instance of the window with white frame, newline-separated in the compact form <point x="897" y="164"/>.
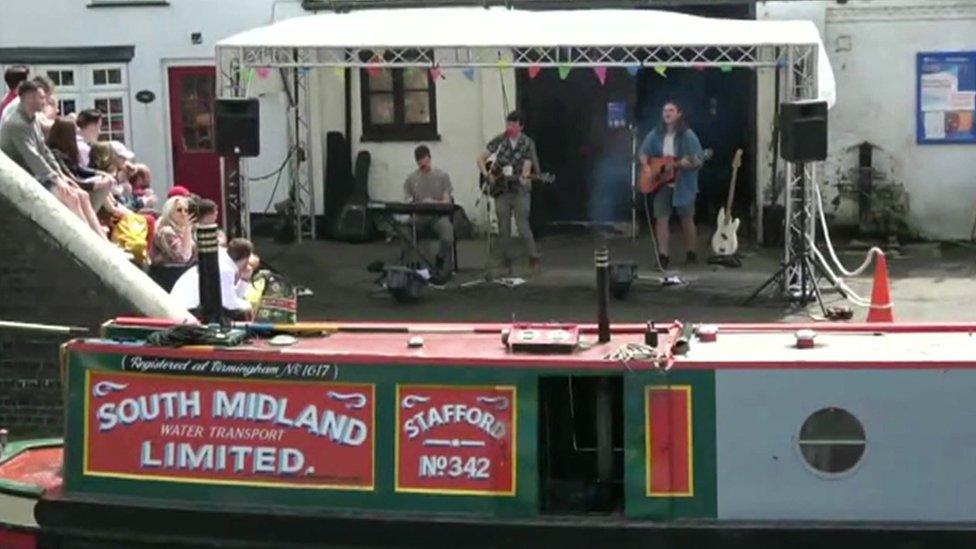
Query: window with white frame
<point x="99" y="86"/>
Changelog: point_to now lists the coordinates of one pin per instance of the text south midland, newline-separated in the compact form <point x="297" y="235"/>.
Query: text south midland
<point x="257" y="407"/>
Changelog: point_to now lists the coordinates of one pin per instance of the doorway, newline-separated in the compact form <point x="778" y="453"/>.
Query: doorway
<point x="580" y="139"/>
<point x="196" y="165"/>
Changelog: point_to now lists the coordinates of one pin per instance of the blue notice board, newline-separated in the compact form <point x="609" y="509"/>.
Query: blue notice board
<point x="946" y="97"/>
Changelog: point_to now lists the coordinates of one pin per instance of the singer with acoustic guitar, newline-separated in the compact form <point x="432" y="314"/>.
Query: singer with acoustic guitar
<point x="513" y="163"/>
<point x="670" y="157"/>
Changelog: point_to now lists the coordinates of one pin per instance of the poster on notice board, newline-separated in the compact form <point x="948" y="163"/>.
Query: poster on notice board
<point x="946" y="101"/>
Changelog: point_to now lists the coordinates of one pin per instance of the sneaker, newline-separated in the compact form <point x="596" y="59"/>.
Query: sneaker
<point x="691" y="257"/>
<point x="664" y="260"/>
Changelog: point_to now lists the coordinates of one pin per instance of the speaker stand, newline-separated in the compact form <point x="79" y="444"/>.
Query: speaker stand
<point x="801" y="259"/>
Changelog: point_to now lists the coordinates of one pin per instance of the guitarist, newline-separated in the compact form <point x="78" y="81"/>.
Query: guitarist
<point x="673" y="138"/>
<point x="515" y="160"/>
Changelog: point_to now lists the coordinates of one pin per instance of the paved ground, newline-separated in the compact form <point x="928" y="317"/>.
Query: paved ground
<point x="929" y="282"/>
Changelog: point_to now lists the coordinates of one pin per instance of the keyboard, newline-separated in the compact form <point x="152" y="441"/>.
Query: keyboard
<point x="428" y="208"/>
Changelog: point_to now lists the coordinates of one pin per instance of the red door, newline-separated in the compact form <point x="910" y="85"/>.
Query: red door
<point x="191" y="105"/>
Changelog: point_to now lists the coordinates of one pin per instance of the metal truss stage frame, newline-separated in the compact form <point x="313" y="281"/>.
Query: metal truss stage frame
<point x="797" y="63"/>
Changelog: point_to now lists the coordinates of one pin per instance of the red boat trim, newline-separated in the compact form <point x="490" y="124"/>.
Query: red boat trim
<point x="508" y="361"/>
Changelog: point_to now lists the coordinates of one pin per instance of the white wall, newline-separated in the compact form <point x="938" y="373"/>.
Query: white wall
<point x="161" y="36"/>
<point x="872" y="47"/>
<point x="469" y="113"/>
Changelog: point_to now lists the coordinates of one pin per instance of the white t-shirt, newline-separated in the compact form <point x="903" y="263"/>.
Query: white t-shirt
<point x="667" y="148"/>
<point x="186" y="291"/>
<point x="11" y="107"/>
<point x="84" y="151"/>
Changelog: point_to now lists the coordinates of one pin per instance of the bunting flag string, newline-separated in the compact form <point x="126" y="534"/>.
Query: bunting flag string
<point x="263" y="72"/>
<point x="601" y="74"/>
<point x="338" y="72"/>
<point x="661" y="70"/>
<point x="633" y="69"/>
<point x="468" y="73"/>
<point x="726" y="68"/>
<point x="534" y="71"/>
<point x="564" y="71"/>
<point x="248" y="76"/>
<point x="435" y="73"/>
<point x="698" y="67"/>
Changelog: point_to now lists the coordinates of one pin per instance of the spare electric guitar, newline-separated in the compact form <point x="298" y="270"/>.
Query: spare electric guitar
<point x="662" y="170"/>
<point x="725" y="241"/>
<point x="498" y="183"/>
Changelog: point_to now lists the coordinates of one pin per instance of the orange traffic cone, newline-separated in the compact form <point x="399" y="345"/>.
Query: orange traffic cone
<point x="882" y="309"/>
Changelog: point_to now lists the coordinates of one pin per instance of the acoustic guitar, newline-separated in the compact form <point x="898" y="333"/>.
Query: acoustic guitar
<point x="497" y="183"/>
<point x="725" y="241"/>
<point x="662" y="170"/>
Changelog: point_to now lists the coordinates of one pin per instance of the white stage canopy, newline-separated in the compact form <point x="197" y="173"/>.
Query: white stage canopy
<point x="507" y="28"/>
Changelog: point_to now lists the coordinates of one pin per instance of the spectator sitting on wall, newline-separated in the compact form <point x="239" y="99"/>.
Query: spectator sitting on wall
<point x="49" y="110"/>
<point x="98" y="184"/>
<point x="105" y="157"/>
<point x="206" y="211"/>
<point x="235" y="275"/>
<point x="22" y="140"/>
<point x="173" y="246"/>
<point x="89" y="122"/>
<point x="13" y="76"/>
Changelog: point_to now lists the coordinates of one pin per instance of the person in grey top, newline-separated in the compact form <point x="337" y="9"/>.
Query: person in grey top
<point x="22" y="140"/>
<point x="428" y="184"/>
<point x="514" y="153"/>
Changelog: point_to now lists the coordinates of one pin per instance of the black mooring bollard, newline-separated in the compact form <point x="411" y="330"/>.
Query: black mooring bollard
<point x="208" y="267"/>
<point x="601" y="259"/>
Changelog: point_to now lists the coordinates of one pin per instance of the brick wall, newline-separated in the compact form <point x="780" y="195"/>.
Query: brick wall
<point x="41" y="283"/>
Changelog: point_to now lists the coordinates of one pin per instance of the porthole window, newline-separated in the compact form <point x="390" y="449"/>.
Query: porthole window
<point x="832" y="441"/>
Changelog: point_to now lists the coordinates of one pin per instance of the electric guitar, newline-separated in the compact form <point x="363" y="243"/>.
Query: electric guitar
<point x="497" y="183"/>
<point x="724" y="241"/>
<point x="662" y="170"/>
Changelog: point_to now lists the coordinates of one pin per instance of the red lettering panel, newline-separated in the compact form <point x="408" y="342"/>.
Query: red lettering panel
<point x="670" y="470"/>
<point x="229" y="431"/>
<point x="456" y="439"/>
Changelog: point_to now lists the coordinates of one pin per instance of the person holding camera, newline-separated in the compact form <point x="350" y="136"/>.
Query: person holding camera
<point x="173" y="247"/>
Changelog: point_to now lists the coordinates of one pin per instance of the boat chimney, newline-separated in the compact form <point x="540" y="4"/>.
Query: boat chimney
<point x="601" y="259"/>
<point x="208" y="267"/>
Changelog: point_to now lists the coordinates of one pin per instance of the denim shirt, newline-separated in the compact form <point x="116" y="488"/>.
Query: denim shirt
<point x="687" y="144"/>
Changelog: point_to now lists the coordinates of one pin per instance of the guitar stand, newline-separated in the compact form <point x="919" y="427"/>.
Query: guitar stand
<point x="733" y="261"/>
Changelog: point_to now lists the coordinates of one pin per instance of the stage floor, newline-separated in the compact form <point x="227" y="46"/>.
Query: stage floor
<point x="929" y="282"/>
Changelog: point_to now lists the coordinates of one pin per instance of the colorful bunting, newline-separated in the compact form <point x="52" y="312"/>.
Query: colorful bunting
<point x="564" y="71"/>
<point x="248" y="76"/>
<point x="601" y="74"/>
<point x="726" y="68"/>
<point x="503" y="64"/>
<point x="698" y="66"/>
<point x="263" y="72"/>
<point x="661" y="70"/>
<point x="303" y="71"/>
<point x="534" y="71"/>
<point x="468" y="73"/>
<point x="632" y="69"/>
<point x="338" y="72"/>
<point x="435" y="73"/>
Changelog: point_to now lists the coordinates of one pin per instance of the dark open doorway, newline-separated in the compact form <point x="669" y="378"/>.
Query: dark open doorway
<point x="591" y="158"/>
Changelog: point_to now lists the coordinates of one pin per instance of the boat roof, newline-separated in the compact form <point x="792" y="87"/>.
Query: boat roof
<point x="737" y="346"/>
